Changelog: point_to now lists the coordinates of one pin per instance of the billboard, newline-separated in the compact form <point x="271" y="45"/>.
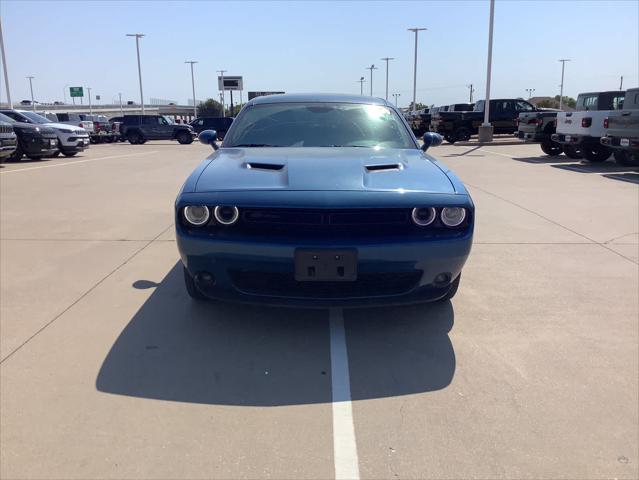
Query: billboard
<point x="230" y="83"/>
<point x="252" y="95"/>
<point x="76" y="91"/>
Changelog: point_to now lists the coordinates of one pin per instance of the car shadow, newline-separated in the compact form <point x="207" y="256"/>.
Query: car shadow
<point x="213" y="353"/>
<point x="623" y="177"/>
<point x="603" y="167"/>
<point x="546" y="159"/>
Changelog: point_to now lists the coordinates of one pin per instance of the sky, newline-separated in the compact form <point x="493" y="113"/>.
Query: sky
<point x="306" y="46"/>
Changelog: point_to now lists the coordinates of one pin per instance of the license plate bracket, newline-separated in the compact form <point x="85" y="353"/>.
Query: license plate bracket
<point x="325" y="265"/>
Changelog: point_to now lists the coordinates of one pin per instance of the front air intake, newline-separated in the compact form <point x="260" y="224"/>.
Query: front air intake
<point x="383" y="167"/>
<point x="264" y="166"/>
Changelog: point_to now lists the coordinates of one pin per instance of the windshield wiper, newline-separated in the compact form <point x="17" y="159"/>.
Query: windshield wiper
<point x="253" y="145"/>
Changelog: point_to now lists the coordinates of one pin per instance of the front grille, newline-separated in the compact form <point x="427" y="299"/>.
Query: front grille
<point x="285" y="285"/>
<point x="6" y="129"/>
<point x="47" y="131"/>
<point x="298" y="223"/>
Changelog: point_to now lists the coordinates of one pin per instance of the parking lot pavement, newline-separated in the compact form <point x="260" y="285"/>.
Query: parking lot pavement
<point x="110" y="371"/>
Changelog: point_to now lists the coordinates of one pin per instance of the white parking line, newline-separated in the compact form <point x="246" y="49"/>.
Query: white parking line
<point x="76" y="162"/>
<point x="344" y="446"/>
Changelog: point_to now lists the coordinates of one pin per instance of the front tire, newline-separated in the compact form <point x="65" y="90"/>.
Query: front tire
<point x="16" y="156"/>
<point x="462" y="134"/>
<point x="184" y="138"/>
<point x="573" y="152"/>
<point x="191" y="288"/>
<point x="551" y="148"/>
<point x="134" y="138"/>
<point x="596" y="153"/>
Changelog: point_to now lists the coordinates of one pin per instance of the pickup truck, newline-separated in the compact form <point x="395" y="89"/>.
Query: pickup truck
<point x="436" y="117"/>
<point x="538" y="127"/>
<point x="623" y="130"/>
<point x="584" y="127"/>
<point x="503" y="115"/>
<point x="419" y="121"/>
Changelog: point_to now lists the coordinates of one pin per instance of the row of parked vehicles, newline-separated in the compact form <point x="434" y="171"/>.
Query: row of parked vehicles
<point x="48" y="134"/>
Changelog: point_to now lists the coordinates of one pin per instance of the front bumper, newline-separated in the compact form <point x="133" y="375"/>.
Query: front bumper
<point x="261" y="272"/>
<point x="74" y="144"/>
<point x="38" y="145"/>
<point x="7" y="146"/>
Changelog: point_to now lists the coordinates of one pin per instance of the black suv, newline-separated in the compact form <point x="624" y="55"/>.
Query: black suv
<point x="138" y="129"/>
<point x="219" y="124"/>
<point x="34" y="141"/>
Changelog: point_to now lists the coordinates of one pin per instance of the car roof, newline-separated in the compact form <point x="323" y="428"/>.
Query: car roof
<point x="317" y="98"/>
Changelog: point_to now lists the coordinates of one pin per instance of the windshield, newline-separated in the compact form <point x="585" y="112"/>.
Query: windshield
<point x="35" y="118"/>
<point x="4" y="118"/>
<point x="318" y="125"/>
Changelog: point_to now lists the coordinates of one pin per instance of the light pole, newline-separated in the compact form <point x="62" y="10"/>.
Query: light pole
<point x="4" y="66"/>
<point x="396" y="95"/>
<point x="137" y="36"/>
<point x="121" y="111"/>
<point x="386" y="59"/>
<point x="193" y="85"/>
<point x="530" y="92"/>
<point x="31" y="87"/>
<point x="416" y="30"/>
<point x="561" y="89"/>
<point x="472" y="89"/>
<point x="486" y="129"/>
<point x="371" y="68"/>
<point x="90" y="108"/>
<point x="361" y="85"/>
<point x="64" y="92"/>
<point x="221" y="72"/>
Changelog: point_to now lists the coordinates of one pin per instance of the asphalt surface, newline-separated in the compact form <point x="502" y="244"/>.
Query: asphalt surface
<point x="110" y="371"/>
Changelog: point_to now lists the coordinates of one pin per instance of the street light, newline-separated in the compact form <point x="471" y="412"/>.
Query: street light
<point x="386" y="59"/>
<point x="371" y="68"/>
<point x="137" y="36"/>
<point x="396" y="95"/>
<point x="4" y="67"/>
<point x="221" y="72"/>
<point x="530" y="92"/>
<point x="486" y="129"/>
<point x="561" y="91"/>
<point x="31" y="87"/>
<point x="193" y="85"/>
<point x="416" y="30"/>
<point x="361" y="85"/>
<point x="64" y="92"/>
<point x="90" y="108"/>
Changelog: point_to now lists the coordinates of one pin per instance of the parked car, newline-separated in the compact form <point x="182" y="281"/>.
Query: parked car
<point x="34" y="141"/>
<point x="8" y="140"/>
<point x="219" y="124"/>
<point x="71" y="140"/>
<point x="503" y="114"/>
<point x="72" y="118"/>
<point x="346" y="210"/>
<point x="623" y="130"/>
<point x="51" y="116"/>
<point x="584" y="127"/>
<point x="436" y="118"/>
<point x="139" y="128"/>
<point x="539" y="127"/>
<point x="102" y="129"/>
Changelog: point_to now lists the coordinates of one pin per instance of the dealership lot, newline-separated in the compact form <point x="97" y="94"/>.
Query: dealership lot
<point x="110" y="371"/>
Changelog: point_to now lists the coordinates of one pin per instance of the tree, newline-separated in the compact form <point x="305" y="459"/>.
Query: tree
<point x="568" y="101"/>
<point x="209" y="108"/>
<point x="420" y="106"/>
<point x="236" y="110"/>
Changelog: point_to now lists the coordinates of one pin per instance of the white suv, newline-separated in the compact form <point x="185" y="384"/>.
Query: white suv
<point x="71" y="140"/>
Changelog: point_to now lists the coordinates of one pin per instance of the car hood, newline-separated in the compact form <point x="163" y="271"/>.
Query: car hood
<point x="63" y="126"/>
<point x="322" y="169"/>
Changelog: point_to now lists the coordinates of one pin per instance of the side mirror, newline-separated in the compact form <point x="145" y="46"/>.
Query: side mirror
<point x="208" y="137"/>
<point x="431" y="139"/>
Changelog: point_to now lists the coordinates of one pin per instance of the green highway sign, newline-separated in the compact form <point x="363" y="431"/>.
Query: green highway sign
<point x="76" y="91"/>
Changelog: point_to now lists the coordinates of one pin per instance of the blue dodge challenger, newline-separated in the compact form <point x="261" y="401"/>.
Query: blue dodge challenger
<point x="322" y="200"/>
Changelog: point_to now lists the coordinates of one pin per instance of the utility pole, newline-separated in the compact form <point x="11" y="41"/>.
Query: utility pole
<point x="137" y="36"/>
<point x="386" y="59"/>
<point x="221" y="72"/>
<point x="486" y="129"/>
<point x="90" y="109"/>
<point x="472" y="89"/>
<point x="396" y="95"/>
<point x="371" y="68"/>
<point x="4" y="66"/>
<point x="561" y="90"/>
<point x="621" y="83"/>
<point x="193" y="86"/>
<point x="121" y="111"/>
<point x="416" y="30"/>
<point x="361" y="85"/>
<point x="31" y="87"/>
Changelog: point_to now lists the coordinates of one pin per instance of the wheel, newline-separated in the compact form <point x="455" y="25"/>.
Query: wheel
<point x="36" y="157"/>
<point x="191" y="288"/>
<point x="572" y="152"/>
<point x="134" y="138"/>
<point x="184" y="138"/>
<point x="449" y="139"/>
<point x="16" y="156"/>
<point x="596" y="153"/>
<point x="551" y="148"/>
<point x="623" y="157"/>
<point x="69" y="154"/>
<point x="452" y="291"/>
<point x="55" y="154"/>
<point x="462" y="134"/>
<point x="108" y="139"/>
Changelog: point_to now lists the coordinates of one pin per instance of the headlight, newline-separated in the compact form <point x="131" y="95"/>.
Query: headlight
<point x="453" y="216"/>
<point x="196" y="214"/>
<point x="37" y="129"/>
<point x="423" y="216"/>
<point x="226" y="215"/>
<point x="64" y="130"/>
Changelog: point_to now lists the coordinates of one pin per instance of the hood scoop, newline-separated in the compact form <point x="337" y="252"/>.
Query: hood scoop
<point x="264" y="166"/>
<point x="386" y="167"/>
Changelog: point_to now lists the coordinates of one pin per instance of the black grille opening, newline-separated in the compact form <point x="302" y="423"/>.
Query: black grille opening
<point x="378" y="168"/>
<point x="264" y="166"/>
<point x="279" y="284"/>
